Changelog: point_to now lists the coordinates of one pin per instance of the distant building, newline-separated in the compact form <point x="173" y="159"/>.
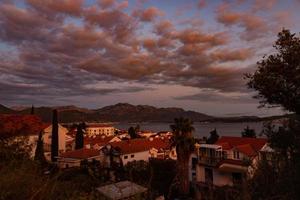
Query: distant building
<point x="227" y="162"/>
<point x="143" y="149"/>
<point x="100" y="129"/>
<point x="63" y="138"/>
<point x="99" y="141"/>
<point x="74" y="158"/>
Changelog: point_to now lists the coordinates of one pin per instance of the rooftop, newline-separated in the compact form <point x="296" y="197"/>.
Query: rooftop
<point x="80" y="154"/>
<point x="141" y="144"/>
<point x="121" y="190"/>
<point x="101" y="140"/>
<point x="228" y="142"/>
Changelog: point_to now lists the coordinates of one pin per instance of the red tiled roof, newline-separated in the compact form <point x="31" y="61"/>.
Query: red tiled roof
<point x="246" y="149"/>
<point x="139" y="145"/>
<point x="100" y="140"/>
<point x="225" y="145"/>
<point x="80" y="154"/>
<point x="256" y="143"/>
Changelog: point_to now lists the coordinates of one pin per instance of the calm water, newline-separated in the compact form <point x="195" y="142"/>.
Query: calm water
<point x="202" y="129"/>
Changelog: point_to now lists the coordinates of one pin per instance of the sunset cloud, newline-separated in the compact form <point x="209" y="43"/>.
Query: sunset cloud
<point x="55" y="49"/>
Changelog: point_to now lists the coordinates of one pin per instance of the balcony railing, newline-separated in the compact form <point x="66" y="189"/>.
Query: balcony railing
<point x="209" y="161"/>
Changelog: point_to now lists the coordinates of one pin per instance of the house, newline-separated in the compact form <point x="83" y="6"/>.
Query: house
<point x="142" y="149"/>
<point x="74" y="158"/>
<point x="62" y="139"/>
<point x="228" y="161"/>
<point x="100" y="129"/>
<point x="99" y="141"/>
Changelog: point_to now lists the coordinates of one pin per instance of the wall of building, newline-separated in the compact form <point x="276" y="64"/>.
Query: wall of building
<point x="108" y="131"/>
<point x="219" y="178"/>
<point x="47" y="137"/>
<point x="136" y="156"/>
<point x="69" y="162"/>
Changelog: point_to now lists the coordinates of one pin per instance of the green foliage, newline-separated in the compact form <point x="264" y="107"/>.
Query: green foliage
<point x="133" y="132"/>
<point x="138" y="172"/>
<point x="39" y="151"/>
<point x="278" y="175"/>
<point x="162" y="174"/>
<point x="213" y="137"/>
<point x="277" y="78"/>
<point x="54" y="138"/>
<point x="22" y="178"/>
<point x="79" y="138"/>
<point x="277" y="82"/>
<point x="32" y="110"/>
<point x="184" y="142"/>
<point x="247" y="132"/>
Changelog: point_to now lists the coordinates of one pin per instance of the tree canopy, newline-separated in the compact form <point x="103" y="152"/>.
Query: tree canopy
<point x="248" y="132"/>
<point x="79" y="137"/>
<point x="277" y="78"/>
<point x="213" y="138"/>
<point x="184" y="143"/>
<point x="54" y="138"/>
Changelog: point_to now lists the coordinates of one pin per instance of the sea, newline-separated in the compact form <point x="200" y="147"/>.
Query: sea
<point x="201" y="129"/>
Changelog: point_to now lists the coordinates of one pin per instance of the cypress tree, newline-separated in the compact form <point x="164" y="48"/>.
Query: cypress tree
<point x="32" y="110"/>
<point x="79" y="138"/>
<point x="39" y="151"/>
<point x="54" y="142"/>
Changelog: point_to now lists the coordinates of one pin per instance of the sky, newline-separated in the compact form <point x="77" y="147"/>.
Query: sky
<point x="191" y="54"/>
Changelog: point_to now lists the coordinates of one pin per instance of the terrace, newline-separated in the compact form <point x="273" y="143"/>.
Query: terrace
<point x="210" y="154"/>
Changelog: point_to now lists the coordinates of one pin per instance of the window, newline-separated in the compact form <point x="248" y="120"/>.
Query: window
<point x="125" y="157"/>
<point x="236" y="155"/>
<point x="194" y="163"/>
<point x="132" y="156"/>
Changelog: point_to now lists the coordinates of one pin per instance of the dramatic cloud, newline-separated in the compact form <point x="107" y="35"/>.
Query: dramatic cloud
<point x="61" y="49"/>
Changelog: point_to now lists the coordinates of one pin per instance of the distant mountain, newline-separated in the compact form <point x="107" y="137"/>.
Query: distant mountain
<point x="5" y="110"/>
<point x="145" y="113"/>
<point x="124" y="112"/>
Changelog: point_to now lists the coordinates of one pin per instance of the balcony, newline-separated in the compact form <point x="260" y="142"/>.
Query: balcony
<point x="210" y="155"/>
<point x="209" y="161"/>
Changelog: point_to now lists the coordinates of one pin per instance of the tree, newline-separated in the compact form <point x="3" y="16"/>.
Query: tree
<point x="54" y="138"/>
<point x="277" y="82"/>
<point x="32" y="110"/>
<point x="39" y="151"/>
<point x="213" y="138"/>
<point x="247" y="132"/>
<point x="184" y="143"/>
<point x="79" y="138"/>
<point x="132" y="132"/>
<point x="277" y="77"/>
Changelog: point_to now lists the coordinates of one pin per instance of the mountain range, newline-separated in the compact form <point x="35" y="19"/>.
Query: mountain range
<point x="124" y="112"/>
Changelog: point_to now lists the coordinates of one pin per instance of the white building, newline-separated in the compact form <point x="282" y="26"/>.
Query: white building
<point x="62" y="140"/>
<point x="230" y="160"/>
<point x="74" y="158"/>
<point x="142" y="149"/>
<point x="100" y="129"/>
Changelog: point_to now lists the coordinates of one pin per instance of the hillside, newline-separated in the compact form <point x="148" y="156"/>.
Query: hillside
<point x="5" y="110"/>
<point x="121" y="112"/>
<point x="124" y="112"/>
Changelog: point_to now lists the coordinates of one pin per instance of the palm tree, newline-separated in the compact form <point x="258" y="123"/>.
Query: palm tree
<point x="184" y="143"/>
